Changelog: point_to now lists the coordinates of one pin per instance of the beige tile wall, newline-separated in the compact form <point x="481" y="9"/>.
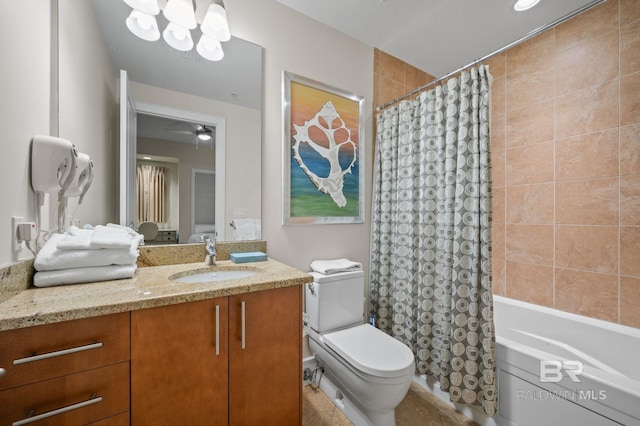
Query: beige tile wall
<point x="566" y="162"/>
<point x="566" y="158"/>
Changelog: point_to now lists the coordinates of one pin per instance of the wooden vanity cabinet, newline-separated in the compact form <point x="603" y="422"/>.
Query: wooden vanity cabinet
<point x="180" y="376"/>
<point x="72" y="372"/>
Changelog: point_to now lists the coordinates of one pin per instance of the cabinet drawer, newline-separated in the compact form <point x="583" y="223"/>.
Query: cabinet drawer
<point x="43" y="352"/>
<point x="105" y="391"/>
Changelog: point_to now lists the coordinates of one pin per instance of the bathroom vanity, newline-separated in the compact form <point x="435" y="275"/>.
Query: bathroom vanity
<point x="152" y="350"/>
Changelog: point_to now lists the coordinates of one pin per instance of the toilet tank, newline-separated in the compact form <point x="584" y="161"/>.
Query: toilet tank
<point x="335" y="301"/>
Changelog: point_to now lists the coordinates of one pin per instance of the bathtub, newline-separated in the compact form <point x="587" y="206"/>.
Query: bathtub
<point x="556" y="368"/>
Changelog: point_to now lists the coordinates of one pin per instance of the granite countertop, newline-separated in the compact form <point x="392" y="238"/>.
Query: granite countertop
<point x="150" y="287"/>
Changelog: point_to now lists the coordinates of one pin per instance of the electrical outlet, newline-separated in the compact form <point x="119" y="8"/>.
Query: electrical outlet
<point x="15" y="243"/>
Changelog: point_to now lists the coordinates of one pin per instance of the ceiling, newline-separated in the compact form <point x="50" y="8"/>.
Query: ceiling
<point x="436" y="36"/>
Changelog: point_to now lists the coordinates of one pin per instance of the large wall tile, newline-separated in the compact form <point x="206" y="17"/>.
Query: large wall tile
<point x="630" y="251"/>
<point x="531" y="124"/>
<point x="630" y="149"/>
<point x="630" y="200"/>
<point x="630" y="99"/>
<point x="629" y="296"/>
<point x="587" y="248"/>
<point x="497" y="167"/>
<point x="534" y="85"/>
<point x="498" y="204"/>
<point x="591" y="155"/>
<point x="530" y="164"/>
<point x="629" y="11"/>
<point x="587" y="202"/>
<point x="587" y="293"/>
<point x="532" y="244"/>
<point x="587" y="110"/>
<point x="630" y="48"/>
<point x="599" y="20"/>
<point x="498" y="275"/>
<point x="589" y="62"/>
<point x="498" y="98"/>
<point x="530" y="204"/>
<point x="531" y="52"/>
<point x="530" y="283"/>
<point x="498" y="240"/>
<point x="498" y="132"/>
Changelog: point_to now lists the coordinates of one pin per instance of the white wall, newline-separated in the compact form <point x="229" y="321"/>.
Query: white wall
<point x="87" y="110"/>
<point x="25" y="85"/>
<point x="302" y="46"/>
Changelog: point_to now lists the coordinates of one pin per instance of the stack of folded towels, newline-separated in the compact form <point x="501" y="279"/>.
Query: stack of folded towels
<point x="87" y="255"/>
<point x="334" y="266"/>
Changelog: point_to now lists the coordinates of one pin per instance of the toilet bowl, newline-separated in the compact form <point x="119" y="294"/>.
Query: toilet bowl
<point x="370" y="368"/>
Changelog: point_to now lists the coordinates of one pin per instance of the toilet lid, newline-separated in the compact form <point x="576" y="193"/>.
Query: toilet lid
<point x="371" y="351"/>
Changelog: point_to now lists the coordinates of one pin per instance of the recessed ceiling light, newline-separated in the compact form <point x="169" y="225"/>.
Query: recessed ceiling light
<point x="522" y="5"/>
<point x="146" y="158"/>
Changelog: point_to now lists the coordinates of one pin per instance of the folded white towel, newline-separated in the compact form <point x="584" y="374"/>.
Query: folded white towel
<point x="110" y="237"/>
<point x="51" y="258"/>
<point x="334" y="266"/>
<point x="83" y="275"/>
<point x="76" y="239"/>
<point x="247" y="229"/>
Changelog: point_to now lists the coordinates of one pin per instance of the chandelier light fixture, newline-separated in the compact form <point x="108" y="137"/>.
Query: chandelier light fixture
<point x="183" y="18"/>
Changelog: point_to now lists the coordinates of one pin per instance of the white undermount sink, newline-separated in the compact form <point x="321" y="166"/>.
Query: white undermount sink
<point x="211" y="276"/>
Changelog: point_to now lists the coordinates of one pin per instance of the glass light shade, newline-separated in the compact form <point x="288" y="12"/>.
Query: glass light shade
<point x="209" y="48"/>
<point x="522" y="5"/>
<point x="180" y="12"/>
<point x="143" y="25"/>
<point x="178" y="37"/>
<point x="204" y="136"/>
<point x="149" y="7"/>
<point x="215" y="23"/>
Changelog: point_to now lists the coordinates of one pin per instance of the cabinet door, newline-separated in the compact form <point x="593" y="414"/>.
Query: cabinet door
<point x="265" y="375"/>
<point x="178" y="375"/>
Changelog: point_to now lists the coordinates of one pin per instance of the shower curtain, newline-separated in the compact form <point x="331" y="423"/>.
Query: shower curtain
<point x="151" y="188"/>
<point x="431" y="235"/>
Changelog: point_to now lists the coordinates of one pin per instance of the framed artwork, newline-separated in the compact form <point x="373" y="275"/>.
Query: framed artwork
<point x="323" y="171"/>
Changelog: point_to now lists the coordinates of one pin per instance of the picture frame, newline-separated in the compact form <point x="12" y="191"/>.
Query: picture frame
<point x="323" y="153"/>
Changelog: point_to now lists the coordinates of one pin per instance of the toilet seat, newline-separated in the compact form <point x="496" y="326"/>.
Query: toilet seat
<point x="371" y="351"/>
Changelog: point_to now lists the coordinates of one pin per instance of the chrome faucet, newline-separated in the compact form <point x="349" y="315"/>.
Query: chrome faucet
<point x="210" y="246"/>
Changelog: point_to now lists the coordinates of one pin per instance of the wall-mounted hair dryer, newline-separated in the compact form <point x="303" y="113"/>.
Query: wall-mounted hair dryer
<point x="53" y="165"/>
<point x="83" y="177"/>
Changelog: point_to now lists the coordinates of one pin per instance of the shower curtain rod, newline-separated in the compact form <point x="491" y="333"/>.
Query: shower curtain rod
<point x="495" y="52"/>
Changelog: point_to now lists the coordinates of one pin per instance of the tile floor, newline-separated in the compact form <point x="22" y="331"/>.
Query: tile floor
<point x="419" y="408"/>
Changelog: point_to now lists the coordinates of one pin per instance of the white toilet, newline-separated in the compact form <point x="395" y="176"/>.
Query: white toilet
<point x="369" y="368"/>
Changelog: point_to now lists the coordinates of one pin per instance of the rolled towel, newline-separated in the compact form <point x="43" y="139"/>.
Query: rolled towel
<point x="76" y="239"/>
<point x="110" y="237"/>
<point x="51" y="258"/>
<point x="334" y="266"/>
<point x="83" y="275"/>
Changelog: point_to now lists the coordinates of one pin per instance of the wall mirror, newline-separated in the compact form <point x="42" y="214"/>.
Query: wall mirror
<point x="175" y="94"/>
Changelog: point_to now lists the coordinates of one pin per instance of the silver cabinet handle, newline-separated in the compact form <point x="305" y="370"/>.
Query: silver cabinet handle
<point x="52" y="413"/>
<point x="217" y="329"/>
<point x="57" y="353"/>
<point x="2" y="372"/>
<point x="243" y="306"/>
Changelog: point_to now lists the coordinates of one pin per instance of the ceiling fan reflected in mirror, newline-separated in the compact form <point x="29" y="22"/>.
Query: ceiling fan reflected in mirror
<point x="200" y="132"/>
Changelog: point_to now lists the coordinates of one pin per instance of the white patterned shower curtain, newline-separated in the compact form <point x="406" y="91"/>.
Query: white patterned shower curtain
<point x="431" y="235"/>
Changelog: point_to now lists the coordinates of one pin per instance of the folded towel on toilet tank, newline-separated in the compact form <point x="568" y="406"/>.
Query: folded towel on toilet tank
<point x="333" y="266"/>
